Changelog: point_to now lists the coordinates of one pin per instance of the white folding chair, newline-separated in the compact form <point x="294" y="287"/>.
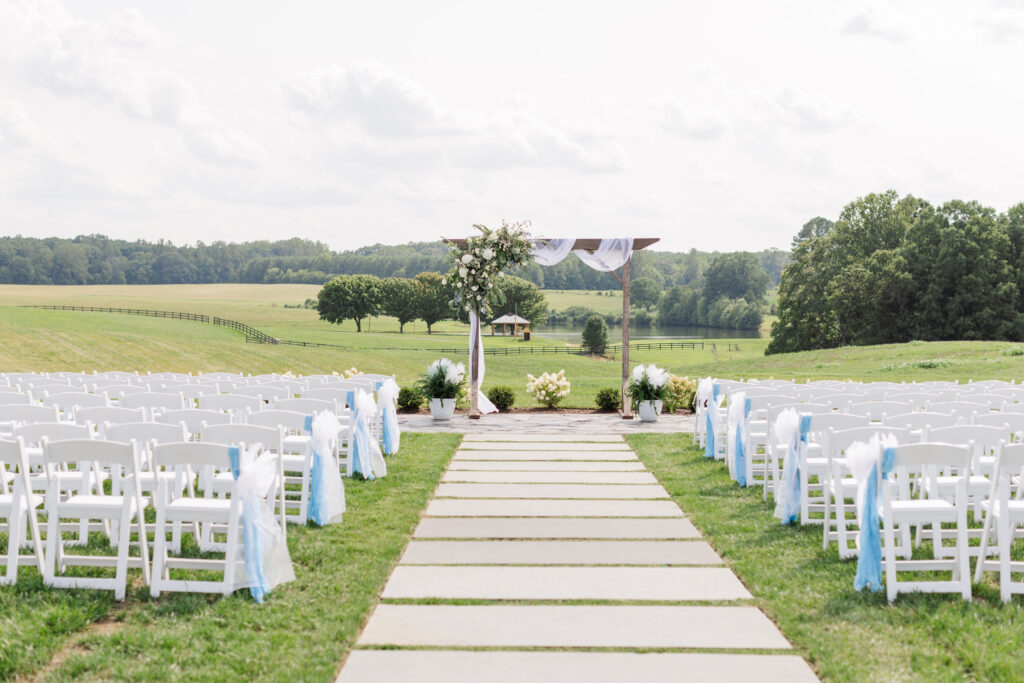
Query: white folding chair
<point x="898" y="508"/>
<point x="18" y="506"/>
<point x="181" y="460"/>
<point x="108" y="415"/>
<point x="119" y="508"/>
<point x="306" y="406"/>
<point x="67" y="401"/>
<point x="841" y="487"/>
<point x="877" y="410"/>
<point x="193" y="418"/>
<point x="235" y="404"/>
<point x="15" y="399"/>
<point x="1004" y="515"/>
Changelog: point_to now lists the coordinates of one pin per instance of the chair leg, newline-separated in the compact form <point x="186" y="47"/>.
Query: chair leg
<point x="123" y="546"/>
<point x="963" y="556"/>
<point x="1004" y="539"/>
<point x="159" y="554"/>
<point x="14" y="524"/>
<point x="891" y="588"/>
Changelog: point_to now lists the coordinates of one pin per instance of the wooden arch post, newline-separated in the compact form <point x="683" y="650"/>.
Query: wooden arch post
<point x="587" y="244"/>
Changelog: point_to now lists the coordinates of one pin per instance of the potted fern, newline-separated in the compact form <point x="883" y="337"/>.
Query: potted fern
<point x="647" y="389"/>
<point x="444" y="384"/>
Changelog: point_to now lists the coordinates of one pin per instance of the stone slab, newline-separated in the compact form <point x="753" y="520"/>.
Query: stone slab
<point x="552" y="508"/>
<point x="565" y="491"/>
<point x="548" y="477"/>
<point x="668" y="584"/>
<point x="647" y="626"/>
<point x="560" y="552"/>
<point x="440" y="666"/>
<point x="545" y="466"/>
<point x="542" y="438"/>
<point x="544" y="446"/>
<point x="543" y="455"/>
<point x="556" y="528"/>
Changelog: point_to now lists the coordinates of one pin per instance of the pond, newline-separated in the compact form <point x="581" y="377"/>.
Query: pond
<point x="572" y="334"/>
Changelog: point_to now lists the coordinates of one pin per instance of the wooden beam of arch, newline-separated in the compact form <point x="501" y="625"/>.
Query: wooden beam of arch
<point x="586" y="243"/>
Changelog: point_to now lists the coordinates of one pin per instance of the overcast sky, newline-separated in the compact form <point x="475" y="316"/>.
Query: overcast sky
<point x="714" y="125"/>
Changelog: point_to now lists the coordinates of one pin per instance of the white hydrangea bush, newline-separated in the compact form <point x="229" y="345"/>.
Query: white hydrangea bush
<point x="549" y="388"/>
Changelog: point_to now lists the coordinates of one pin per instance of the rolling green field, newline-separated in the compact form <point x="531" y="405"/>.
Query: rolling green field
<point x="64" y="340"/>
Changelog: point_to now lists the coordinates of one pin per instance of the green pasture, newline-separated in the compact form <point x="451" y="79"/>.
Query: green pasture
<point x="63" y="340"/>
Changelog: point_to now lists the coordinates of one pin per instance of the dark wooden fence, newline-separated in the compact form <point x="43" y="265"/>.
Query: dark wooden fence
<point x="255" y="336"/>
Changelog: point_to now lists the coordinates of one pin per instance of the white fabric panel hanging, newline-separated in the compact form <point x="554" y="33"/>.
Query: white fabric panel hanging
<point x="482" y="402"/>
<point x="550" y="252"/>
<point x="611" y="255"/>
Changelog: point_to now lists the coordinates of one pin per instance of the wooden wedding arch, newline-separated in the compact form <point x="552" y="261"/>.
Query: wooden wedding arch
<point x="590" y="245"/>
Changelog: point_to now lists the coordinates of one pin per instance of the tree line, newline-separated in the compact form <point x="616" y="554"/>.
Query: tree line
<point x="895" y="269"/>
<point x="424" y="297"/>
<point x="96" y="259"/>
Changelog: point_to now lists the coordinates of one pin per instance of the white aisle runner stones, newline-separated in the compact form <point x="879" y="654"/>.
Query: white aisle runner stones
<point x="547" y="521"/>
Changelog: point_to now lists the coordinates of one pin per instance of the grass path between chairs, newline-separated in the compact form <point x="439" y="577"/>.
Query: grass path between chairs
<point x="847" y="636"/>
<point x="302" y="632"/>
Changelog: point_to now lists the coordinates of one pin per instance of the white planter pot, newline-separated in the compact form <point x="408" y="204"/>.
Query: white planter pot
<point x="442" y="408"/>
<point x="649" y="410"/>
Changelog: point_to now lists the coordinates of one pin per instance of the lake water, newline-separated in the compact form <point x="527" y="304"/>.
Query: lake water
<point x="572" y="334"/>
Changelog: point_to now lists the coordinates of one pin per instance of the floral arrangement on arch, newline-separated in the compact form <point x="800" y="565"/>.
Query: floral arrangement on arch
<point x="481" y="260"/>
<point x="443" y="379"/>
<point x="550" y="388"/>
<point x="648" y="383"/>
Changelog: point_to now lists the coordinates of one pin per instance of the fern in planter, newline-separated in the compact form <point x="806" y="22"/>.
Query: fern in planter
<point x="443" y="379"/>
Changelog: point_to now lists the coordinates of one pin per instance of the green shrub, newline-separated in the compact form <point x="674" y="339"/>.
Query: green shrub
<point x="595" y="335"/>
<point x="409" y="398"/>
<point x="608" y="399"/>
<point x="502" y="397"/>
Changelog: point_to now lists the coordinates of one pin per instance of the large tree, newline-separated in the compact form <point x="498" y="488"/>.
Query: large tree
<point x="349" y="297"/>
<point x="399" y="300"/>
<point x="515" y="295"/>
<point x="735" y="276"/>
<point x="433" y="300"/>
<point x="644" y="292"/>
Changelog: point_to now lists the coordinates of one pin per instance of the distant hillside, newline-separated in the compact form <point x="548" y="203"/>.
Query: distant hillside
<point x="96" y="259"/>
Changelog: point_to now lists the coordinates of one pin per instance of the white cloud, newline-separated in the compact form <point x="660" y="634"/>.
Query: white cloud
<point x="224" y="146"/>
<point x="384" y="103"/>
<point x="1002" y="26"/>
<point x="878" y="21"/>
<point x="16" y="128"/>
<point x="807" y="112"/>
<point x="699" y="124"/>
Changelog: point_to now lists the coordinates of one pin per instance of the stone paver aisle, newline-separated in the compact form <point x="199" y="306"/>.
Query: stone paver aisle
<point x="558" y="559"/>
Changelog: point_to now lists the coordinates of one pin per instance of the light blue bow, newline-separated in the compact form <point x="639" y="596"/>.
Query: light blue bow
<point x="792" y="466"/>
<point x="709" y="432"/>
<point x="317" y="484"/>
<point x="252" y="538"/>
<point x="716" y="388"/>
<point x="869" y="558"/>
<point x="741" y="455"/>
<point x="361" y="436"/>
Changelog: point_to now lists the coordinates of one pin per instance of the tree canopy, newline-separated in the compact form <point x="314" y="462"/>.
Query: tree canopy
<point x="895" y="268"/>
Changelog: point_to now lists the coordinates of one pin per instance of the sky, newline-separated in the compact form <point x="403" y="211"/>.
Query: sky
<point x="712" y="125"/>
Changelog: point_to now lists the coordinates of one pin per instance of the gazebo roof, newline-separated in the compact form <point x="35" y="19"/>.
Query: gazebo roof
<point x="510" y="319"/>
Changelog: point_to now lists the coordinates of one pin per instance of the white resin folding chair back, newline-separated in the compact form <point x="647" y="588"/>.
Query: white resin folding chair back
<point x="236" y="404"/>
<point x="108" y="414"/>
<point x="262" y="391"/>
<point x="877" y="410"/>
<point x="922" y="420"/>
<point x="18" y="508"/>
<point x="899" y="509"/>
<point x="963" y="410"/>
<point x="174" y="510"/>
<point x="69" y="400"/>
<point x="153" y="401"/>
<point x="917" y="400"/>
<point x="1012" y="422"/>
<point x="193" y="418"/>
<point x="305" y="405"/>
<point x="121" y="509"/>
<point x="17" y="413"/>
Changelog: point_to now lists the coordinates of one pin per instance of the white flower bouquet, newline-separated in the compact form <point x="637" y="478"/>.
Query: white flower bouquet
<point x="477" y="264"/>
<point x="351" y="372"/>
<point x="648" y="383"/>
<point x="549" y="388"/>
<point x="443" y="379"/>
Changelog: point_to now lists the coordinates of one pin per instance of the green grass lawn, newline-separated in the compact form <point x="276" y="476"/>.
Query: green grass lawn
<point x="609" y="301"/>
<point x="302" y="632"/>
<point x="808" y="592"/>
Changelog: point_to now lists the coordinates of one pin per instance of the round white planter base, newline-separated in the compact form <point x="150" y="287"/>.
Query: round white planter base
<point x="442" y="408"/>
<point x="649" y="410"/>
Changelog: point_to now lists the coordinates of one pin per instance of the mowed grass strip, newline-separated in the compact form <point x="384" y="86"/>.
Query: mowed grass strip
<point x="808" y="592"/>
<point x="302" y="632"/>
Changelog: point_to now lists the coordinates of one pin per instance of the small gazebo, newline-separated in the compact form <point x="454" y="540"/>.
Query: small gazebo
<point x="509" y="319"/>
